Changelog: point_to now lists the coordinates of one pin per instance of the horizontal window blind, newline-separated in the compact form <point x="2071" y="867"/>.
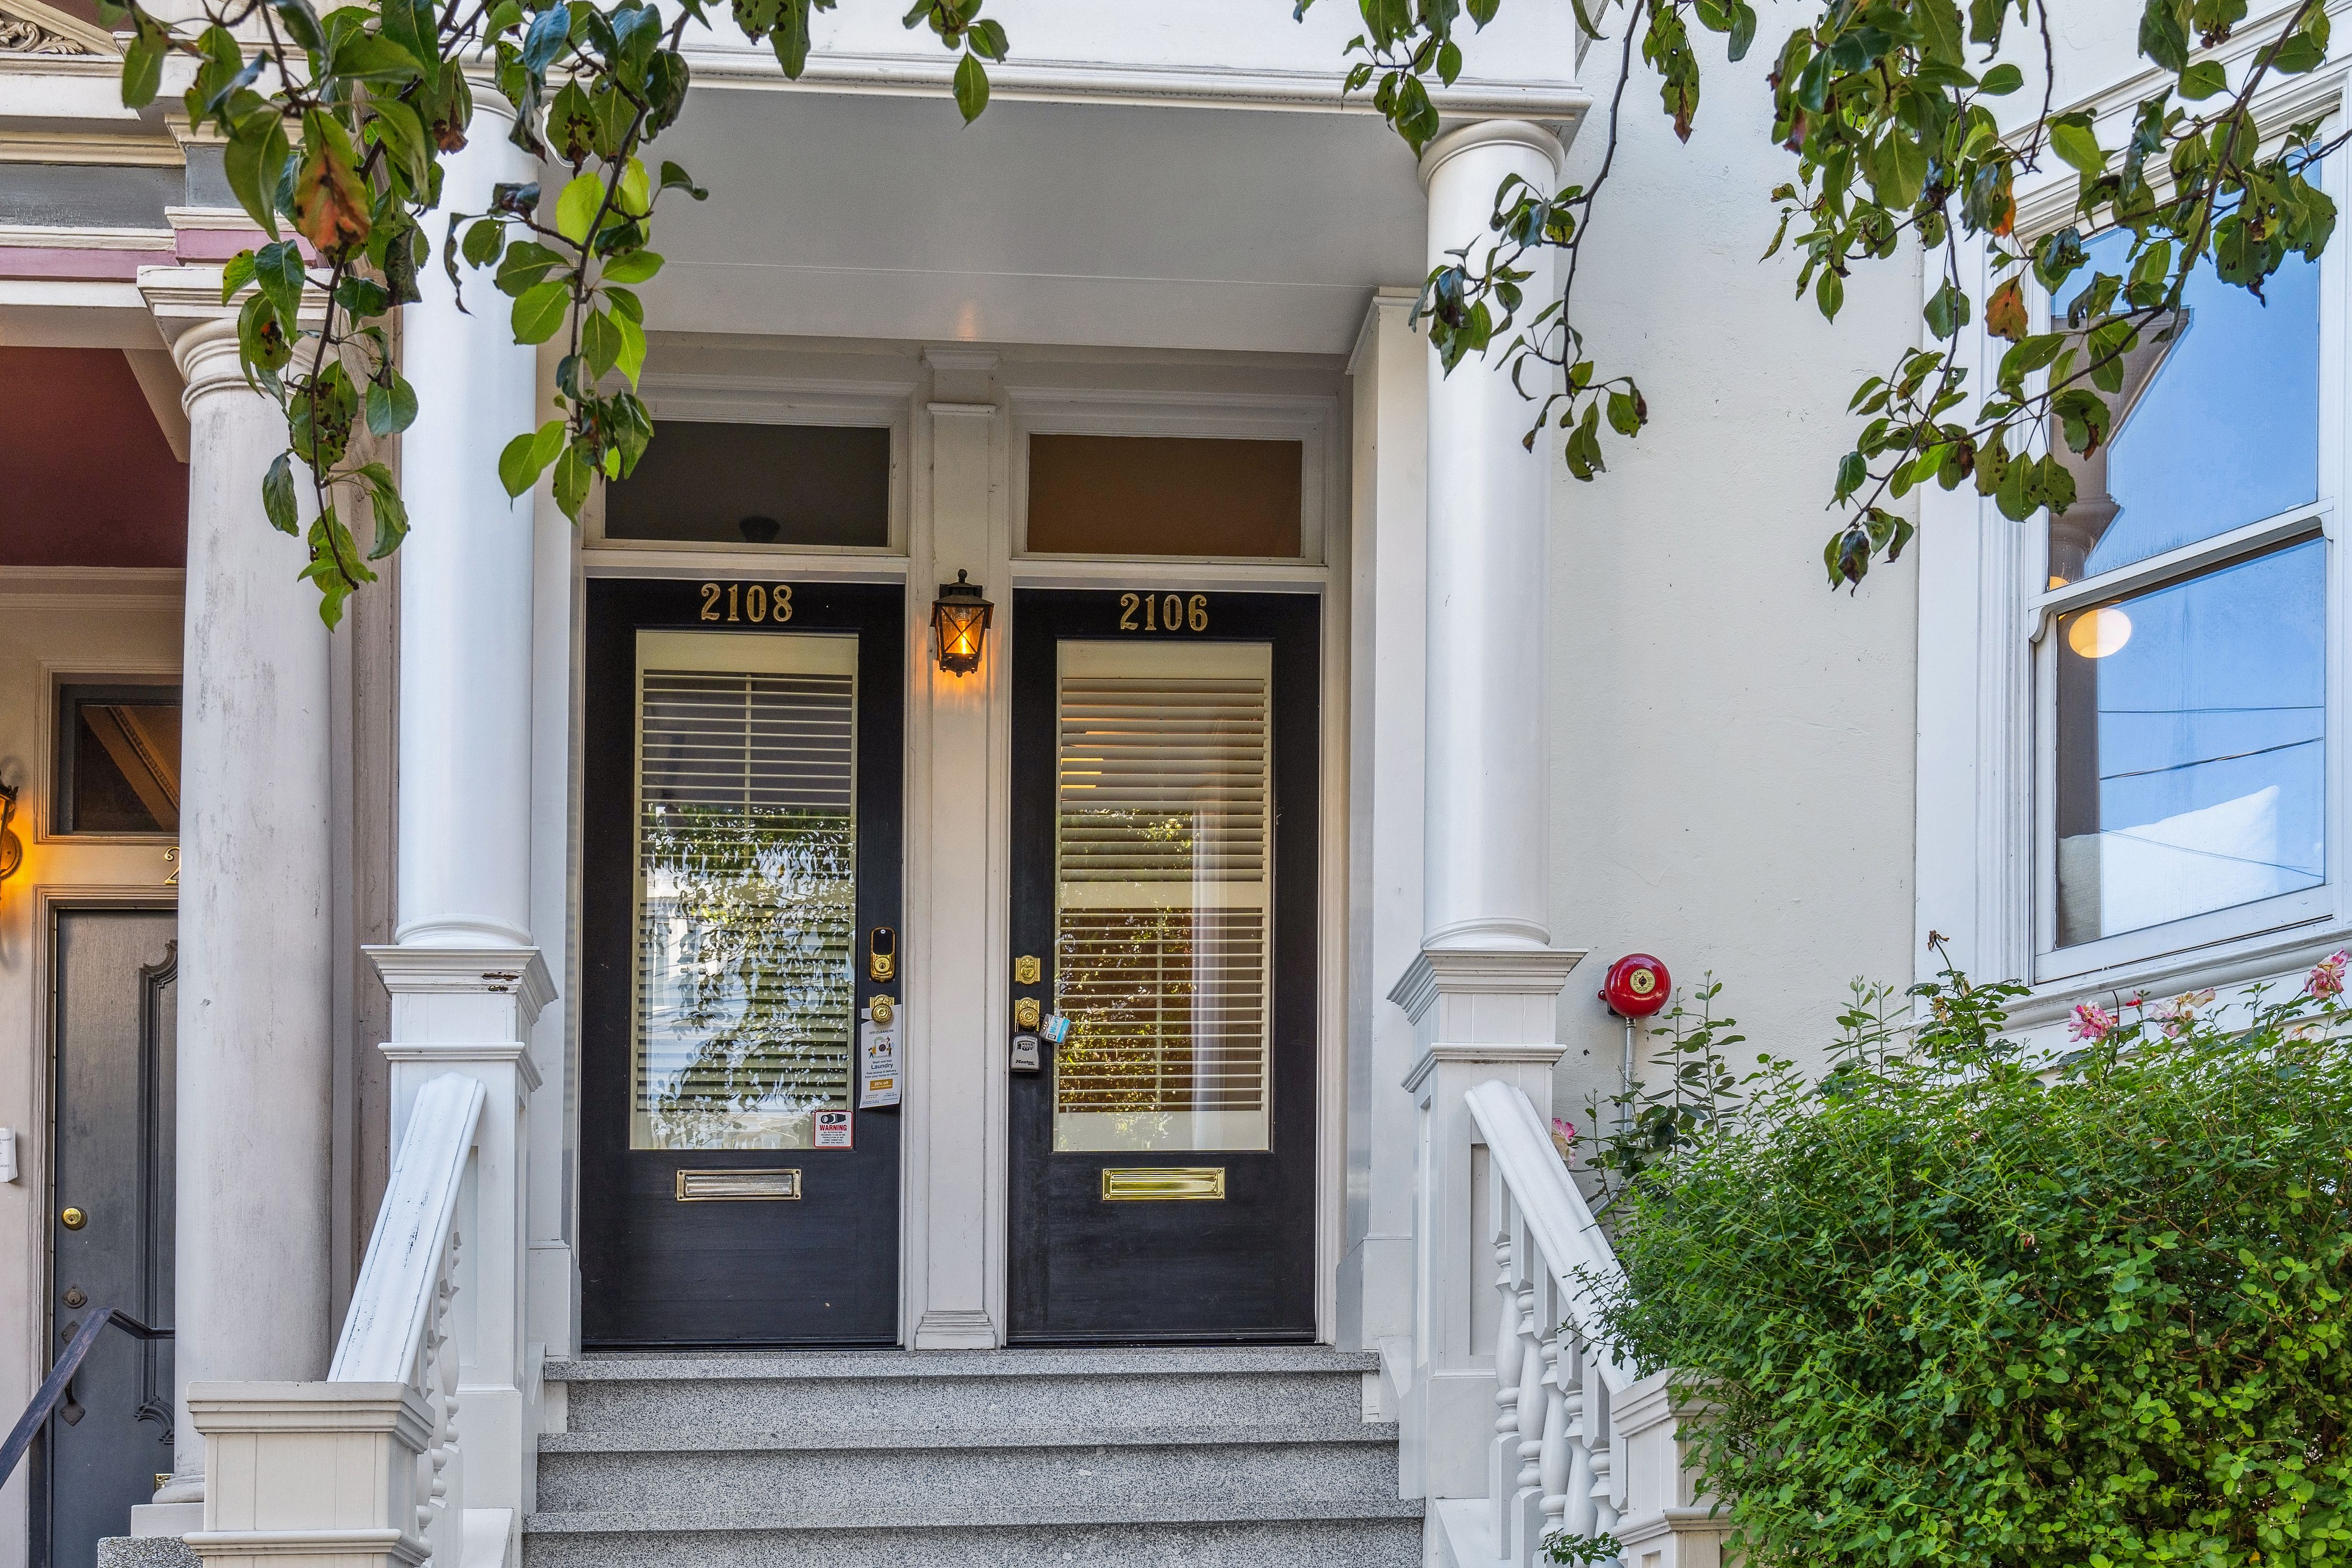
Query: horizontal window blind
<point x="747" y="888"/>
<point x="1163" y="840"/>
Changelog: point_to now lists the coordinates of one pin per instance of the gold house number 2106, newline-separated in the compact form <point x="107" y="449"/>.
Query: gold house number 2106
<point x="754" y="602"/>
<point x="1163" y="613"/>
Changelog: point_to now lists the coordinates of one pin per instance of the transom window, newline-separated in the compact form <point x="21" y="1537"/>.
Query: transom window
<point x="2184" y="633"/>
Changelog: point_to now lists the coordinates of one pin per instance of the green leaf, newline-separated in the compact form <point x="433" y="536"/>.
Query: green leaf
<point x="2072" y="138"/>
<point x="540" y="312"/>
<point x="550" y="34"/>
<point x="2203" y="79"/>
<point x="635" y="267"/>
<point x="277" y="495"/>
<point x="576" y="208"/>
<point x="2001" y="81"/>
<point x="411" y="24"/>
<point x="635" y="197"/>
<point x="1940" y="30"/>
<point x="278" y="270"/>
<point x="143" y="64"/>
<point x="483" y="236"/>
<point x="674" y="178"/>
<point x="573" y="479"/>
<point x="791" y="40"/>
<point x="391" y="410"/>
<point x="970" y="88"/>
<point x="631" y="357"/>
<point x="600" y="343"/>
<point x="254" y="162"/>
<point x="1948" y="311"/>
<point x="235" y="275"/>
<point x="1829" y="293"/>
<point x="527" y="455"/>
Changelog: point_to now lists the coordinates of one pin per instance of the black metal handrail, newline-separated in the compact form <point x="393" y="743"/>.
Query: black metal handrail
<point x="53" y="1386"/>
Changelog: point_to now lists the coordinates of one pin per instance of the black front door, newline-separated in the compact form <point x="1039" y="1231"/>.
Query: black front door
<point x="1164" y="849"/>
<point x="109" y="1224"/>
<point x="739" y="901"/>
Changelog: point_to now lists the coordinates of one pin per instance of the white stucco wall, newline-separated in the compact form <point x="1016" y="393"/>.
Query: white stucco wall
<point x="1732" y="743"/>
<point x="53" y="626"/>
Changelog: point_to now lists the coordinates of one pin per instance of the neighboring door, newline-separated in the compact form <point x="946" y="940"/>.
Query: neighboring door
<point x="1164" y="846"/>
<point x="109" y="1223"/>
<point x="740" y="826"/>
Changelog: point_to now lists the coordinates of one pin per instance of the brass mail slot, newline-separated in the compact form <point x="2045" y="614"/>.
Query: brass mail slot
<point x="1163" y="1184"/>
<point x="736" y="1186"/>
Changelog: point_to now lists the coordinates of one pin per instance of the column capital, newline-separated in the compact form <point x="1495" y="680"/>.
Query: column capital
<point x="1516" y="971"/>
<point x="1479" y="134"/>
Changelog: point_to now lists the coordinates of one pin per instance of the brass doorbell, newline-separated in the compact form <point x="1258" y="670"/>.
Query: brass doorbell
<point x="882" y="955"/>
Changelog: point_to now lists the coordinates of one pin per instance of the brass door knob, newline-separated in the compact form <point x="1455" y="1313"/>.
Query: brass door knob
<point x="73" y="1219"/>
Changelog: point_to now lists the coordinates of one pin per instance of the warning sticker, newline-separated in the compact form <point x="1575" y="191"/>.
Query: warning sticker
<point x="833" y="1130"/>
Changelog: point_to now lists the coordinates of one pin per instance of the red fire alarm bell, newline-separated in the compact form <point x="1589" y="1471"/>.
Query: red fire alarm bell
<point x="1636" y="985"/>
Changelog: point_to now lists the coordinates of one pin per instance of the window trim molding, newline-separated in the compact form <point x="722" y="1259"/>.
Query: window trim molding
<point x="1311" y="421"/>
<point x="44" y="776"/>
<point x="1984" y="881"/>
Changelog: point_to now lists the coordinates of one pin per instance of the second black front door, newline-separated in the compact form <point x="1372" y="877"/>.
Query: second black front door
<point x="1164" y="870"/>
<point x="741" y="876"/>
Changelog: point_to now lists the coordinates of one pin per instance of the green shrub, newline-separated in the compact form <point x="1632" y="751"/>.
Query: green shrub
<point x="1959" y="1306"/>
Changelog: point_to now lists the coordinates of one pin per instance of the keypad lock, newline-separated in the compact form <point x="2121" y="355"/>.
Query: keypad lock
<point x="882" y="955"/>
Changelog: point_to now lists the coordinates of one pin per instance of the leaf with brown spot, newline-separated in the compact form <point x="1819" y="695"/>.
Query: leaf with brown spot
<point x="331" y="205"/>
<point x="2005" y="311"/>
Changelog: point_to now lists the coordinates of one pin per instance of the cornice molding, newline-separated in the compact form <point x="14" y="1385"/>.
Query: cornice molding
<point x="29" y="28"/>
<point x="60" y="236"/>
<point x="1541" y="1053"/>
<point x="519" y="972"/>
<point x="86" y="147"/>
<point x="121" y="587"/>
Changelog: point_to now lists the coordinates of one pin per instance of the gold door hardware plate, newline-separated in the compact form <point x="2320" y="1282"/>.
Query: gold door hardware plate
<point x="882" y="955"/>
<point x="1163" y="1184"/>
<point x="1026" y="1013"/>
<point x="736" y="1186"/>
<point x="1027" y="970"/>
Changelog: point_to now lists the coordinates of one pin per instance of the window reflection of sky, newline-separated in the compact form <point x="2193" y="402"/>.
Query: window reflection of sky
<point x="2228" y="433"/>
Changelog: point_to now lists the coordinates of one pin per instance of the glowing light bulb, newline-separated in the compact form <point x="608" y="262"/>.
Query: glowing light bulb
<point x="2098" y="633"/>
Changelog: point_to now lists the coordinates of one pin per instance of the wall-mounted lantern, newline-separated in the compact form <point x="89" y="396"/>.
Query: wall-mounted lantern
<point x="12" y="848"/>
<point x="960" y="618"/>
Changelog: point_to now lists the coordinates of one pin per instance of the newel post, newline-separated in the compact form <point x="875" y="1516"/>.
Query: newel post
<point x="1667" y="1523"/>
<point x="1477" y="1014"/>
<point x="321" y="1474"/>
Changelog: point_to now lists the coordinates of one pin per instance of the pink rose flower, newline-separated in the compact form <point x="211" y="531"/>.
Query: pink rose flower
<point x="1563" y="1138"/>
<point x="2092" y="1022"/>
<point x="2327" y="976"/>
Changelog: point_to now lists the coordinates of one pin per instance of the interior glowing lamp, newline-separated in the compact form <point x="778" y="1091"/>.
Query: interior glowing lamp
<point x="960" y="617"/>
<point x="2098" y="633"/>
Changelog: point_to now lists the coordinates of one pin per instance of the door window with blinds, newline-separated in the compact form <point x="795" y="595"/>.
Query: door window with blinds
<point x="1163" y="833"/>
<point x="746" y="888"/>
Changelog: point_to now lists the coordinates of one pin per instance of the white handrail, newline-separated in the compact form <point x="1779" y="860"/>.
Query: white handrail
<point x="394" y="1299"/>
<point x="1571" y="1239"/>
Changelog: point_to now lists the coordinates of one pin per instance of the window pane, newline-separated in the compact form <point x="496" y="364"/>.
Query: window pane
<point x="1163" y="844"/>
<point x="747" y="887"/>
<point x="2216" y="428"/>
<point x="757" y="484"/>
<point x="119" y="759"/>
<point x="1164" y="495"/>
<point x="2191" y="754"/>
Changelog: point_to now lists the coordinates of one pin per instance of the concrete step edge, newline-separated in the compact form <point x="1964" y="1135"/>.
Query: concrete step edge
<point x="923" y="1518"/>
<point x="950" y="1437"/>
<point x="761" y="1366"/>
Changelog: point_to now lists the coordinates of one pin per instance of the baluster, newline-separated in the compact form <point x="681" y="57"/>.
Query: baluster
<point x="1576" y="1506"/>
<point x="1509" y="1349"/>
<point x="1526" y="1475"/>
<point x="1604" y="1469"/>
<point x="1552" y="1457"/>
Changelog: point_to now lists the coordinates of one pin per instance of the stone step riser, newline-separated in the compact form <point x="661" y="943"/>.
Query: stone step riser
<point x="1307" y="1543"/>
<point x="656" y="1408"/>
<point x="880" y="1484"/>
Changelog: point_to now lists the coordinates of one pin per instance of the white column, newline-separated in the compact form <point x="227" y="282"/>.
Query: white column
<point x="1483" y="993"/>
<point x="1488" y="868"/>
<point x="256" y="1027"/>
<point x="465" y="592"/>
<point x="466" y="980"/>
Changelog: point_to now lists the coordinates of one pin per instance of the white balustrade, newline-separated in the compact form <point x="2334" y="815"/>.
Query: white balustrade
<point x="368" y="1468"/>
<point x="1584" y="1444"/>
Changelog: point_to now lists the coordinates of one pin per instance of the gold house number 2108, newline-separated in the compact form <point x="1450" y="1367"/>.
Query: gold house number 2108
<point x="754" y="602"/>
<point x="1163" y="613"/>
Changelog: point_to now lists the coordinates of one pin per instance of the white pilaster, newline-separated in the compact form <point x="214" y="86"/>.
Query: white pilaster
<point x="957" y="872"/>
<point x="1486" y="867"/>
<point x="1388" y="560"/>
<point x="466" y="982"/>
<point x="255" y="1025"/>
